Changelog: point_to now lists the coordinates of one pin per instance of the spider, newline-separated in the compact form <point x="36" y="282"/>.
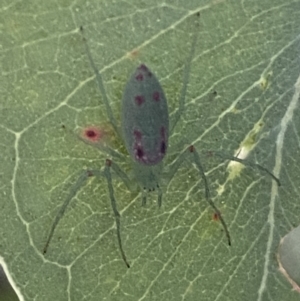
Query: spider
<point x="145" y="130"/>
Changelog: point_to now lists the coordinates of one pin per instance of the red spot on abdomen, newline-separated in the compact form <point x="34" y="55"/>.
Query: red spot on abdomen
<point x="139" y="99"/>
<point x="141" y="72"/>
<point x="138" y="136"/>
<point x="139" y="77"/>
<point x="156" y="96"/>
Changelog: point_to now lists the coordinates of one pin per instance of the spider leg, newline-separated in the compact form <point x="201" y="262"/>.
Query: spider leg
<point x="144" y="197"/>
<point x="159" y="197"/>
<point x="186" y="76"/>
<point x="100" y="84"/>
<point x="80" y="182"/>
<point x="247" y="163"/>
<point x="99" y="145"/>
<point x="191" y="150"/>
<point x="75" y="188"/>
<point x="107" y="174"/>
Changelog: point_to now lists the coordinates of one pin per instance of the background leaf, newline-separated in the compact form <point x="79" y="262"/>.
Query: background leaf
<point x="248" y="52"/>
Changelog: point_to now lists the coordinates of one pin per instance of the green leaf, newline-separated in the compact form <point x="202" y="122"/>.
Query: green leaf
<point x="243" y="92"/>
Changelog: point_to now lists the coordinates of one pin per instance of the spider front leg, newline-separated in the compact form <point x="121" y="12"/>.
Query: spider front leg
<point x="106" y="172"/>
<point x="100" y="84"/>
<point x="186" y="76"/>
<point x="191" y="150"/>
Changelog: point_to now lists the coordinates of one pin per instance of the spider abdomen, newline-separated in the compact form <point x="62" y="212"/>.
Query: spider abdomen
<point x="145" y="118"/>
